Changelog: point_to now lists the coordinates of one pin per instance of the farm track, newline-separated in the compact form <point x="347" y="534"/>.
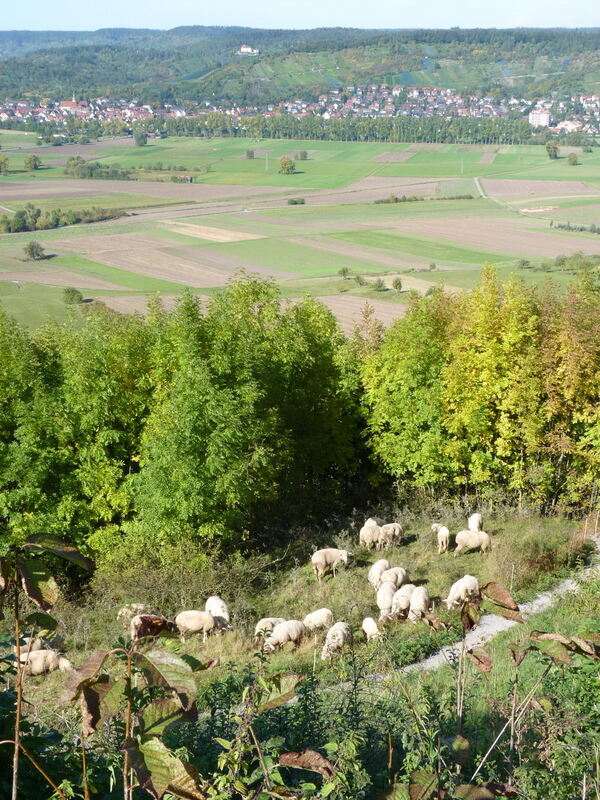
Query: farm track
<point x="491" y="625"/>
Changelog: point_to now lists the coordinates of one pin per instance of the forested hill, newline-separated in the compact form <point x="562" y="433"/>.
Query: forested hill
<point x="194" y="63"/>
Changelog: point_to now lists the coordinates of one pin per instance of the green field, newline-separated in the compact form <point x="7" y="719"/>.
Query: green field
<point x="340" y="226"/>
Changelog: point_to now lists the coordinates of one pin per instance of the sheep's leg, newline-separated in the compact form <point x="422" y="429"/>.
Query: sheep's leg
<point x="204" y="635"/>
<point x="457" y="551"/>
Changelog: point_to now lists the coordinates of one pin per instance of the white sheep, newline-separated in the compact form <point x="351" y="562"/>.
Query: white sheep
<point x="292" y="630"/>
<point x="370" y="629"/>
<point x="396" y="575"/>
<point x="369" y="534"/>
<point x="338" y="635"/>
<point x="443" y="537"/>
<point x="39" y="662"/>
<point x="328" y="558"/>
<point x="401" y="600"/>
<point x="195" y="622"/>
<point x="475" y="522"/>
<point x="376" y="571"/>
<point x="264" y="627"/>
<point x="321" y="618"/>
<point x="419" y="603"/>
<point x="128" y="612"/>
<point x="385" y="596"/>
<point x="218" y="608"/>
<point x="461" y="591"/>
<point x="472" y="540"/>
<point x="389" y="535"/>
<point x="31" y="644"/>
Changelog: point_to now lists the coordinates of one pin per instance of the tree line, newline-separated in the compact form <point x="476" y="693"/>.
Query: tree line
<point x="226" y="425"/>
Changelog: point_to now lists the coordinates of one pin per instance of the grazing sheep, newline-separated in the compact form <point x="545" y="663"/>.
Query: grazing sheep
<point x="370" y="629"/>
<point x="31" y="644"/>
<point x="376" y="571"/>
<point x="218" y="608"/>
<point x="338" y="635"/>
<point x="292" y="630"/>
<point x="396" y="575"/>
<point x="264" y="627"/>
<point x="419" y="603"/>
<point x="389" y="535"/>
<point x="40" y="662"/>
<point x="127" y="613"/>
<point x="322" y="618"/>
<point x="369" y="534"/>
<point x="143" y="625"/>
<point x="472" y="540"/>
<point x="195" y="622"/>
<point x="401" y="600"/>
<point x="443" y="537"/>
<point x="475" y="522"/>
<point x="329" y="558"/>
<point x="385" y="595"/>
<point x="461" y="591"/>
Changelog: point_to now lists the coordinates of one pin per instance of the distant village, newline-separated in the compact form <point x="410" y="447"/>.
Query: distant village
<point x="579" y="113"/>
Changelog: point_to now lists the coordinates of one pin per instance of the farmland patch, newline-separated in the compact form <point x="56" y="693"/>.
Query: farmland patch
<point x="395" y="156"/>
<point x="212" y="234"/>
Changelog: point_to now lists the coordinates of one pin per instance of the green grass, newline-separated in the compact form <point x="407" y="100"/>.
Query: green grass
<point x="424" y="248"/>
<point x="33" y="304"/>
<point x="128" y="280"/>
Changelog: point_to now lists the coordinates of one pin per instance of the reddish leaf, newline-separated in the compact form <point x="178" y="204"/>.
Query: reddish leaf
<point x="556" y="651"/>
<point x="83" y="676"/>
<point x="38" y="584"/>
<point x="507" y="613"/>
<point x="498" y="594"/>
<point x="469" y="616"/>
<point x="423" y="785"/>
<point x="308" y="759"/>
<point x="92" y="695"/>
<point x="585" y="647"/>
<point x="170" y="672"/>
<point x="49" y="543"/>
<point x="516" y="654"/>
<point x="481" y="659"/>
<point x="435" y="622"/>
<point x="542" y="636"/>
<point x="484" y="791"/>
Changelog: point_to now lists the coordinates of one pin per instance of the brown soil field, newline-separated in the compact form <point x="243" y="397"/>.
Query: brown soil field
<point x="499" y="187"/>
<point x="257" y="152"/>
<point x="59" y="277"/>
<point x="224" y="262"/>
<point x="369" y="254"/>
<point x="194" y="192"/>
<point x="348" y="310"/>
<point x="212" y="234"/>
<point x="500" y="236"/>
<point x="394" y="157"/>
<point x="82" y="150"/>
<point x="137" y="303"/>
<point x="566" y="149"/>
<point x="145" y="255"/>
<point x="487" y="158"/>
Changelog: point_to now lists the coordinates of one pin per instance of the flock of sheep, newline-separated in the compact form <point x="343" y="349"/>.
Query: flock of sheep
<point x="396" y="598"/>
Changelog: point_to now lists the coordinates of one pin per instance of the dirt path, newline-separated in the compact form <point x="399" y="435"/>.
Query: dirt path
<point x="490" y="625"/>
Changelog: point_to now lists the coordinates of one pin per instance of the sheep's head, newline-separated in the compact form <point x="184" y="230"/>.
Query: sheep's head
<point x="435" y="527"/>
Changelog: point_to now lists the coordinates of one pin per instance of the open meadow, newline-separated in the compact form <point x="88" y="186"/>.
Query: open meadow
<point x="342" y="243"/>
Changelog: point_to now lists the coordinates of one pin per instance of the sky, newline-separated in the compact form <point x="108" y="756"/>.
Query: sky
<point x="78" y="15"/>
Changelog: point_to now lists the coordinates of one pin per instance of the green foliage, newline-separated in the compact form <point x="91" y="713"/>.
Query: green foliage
<point x="34" y="251"/>
<point x="72" y="296"/>
<point x="552" y="148"/>
<point x="32" y="162"/>
<point x="573" y="160"/>
<point x="286" y="166"/>
<point x="140" y="138"/>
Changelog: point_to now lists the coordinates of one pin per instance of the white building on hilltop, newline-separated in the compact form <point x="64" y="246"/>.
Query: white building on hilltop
<point x="246" y="50"/>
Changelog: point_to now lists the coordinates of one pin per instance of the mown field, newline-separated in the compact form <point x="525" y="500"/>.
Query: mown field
<point x="235" y="217"/>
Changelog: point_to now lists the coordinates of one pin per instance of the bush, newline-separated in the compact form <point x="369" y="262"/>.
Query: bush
<point x="140" y="138"/>
<point x="397" y="284"/>
<point x="72" y="296"/>
<point x="573" y="160"/>
<point x="379" y="285"/>
<point x="249" y="153"/>
<point x="296" y="201"/>
<point x="286" y="166"/>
